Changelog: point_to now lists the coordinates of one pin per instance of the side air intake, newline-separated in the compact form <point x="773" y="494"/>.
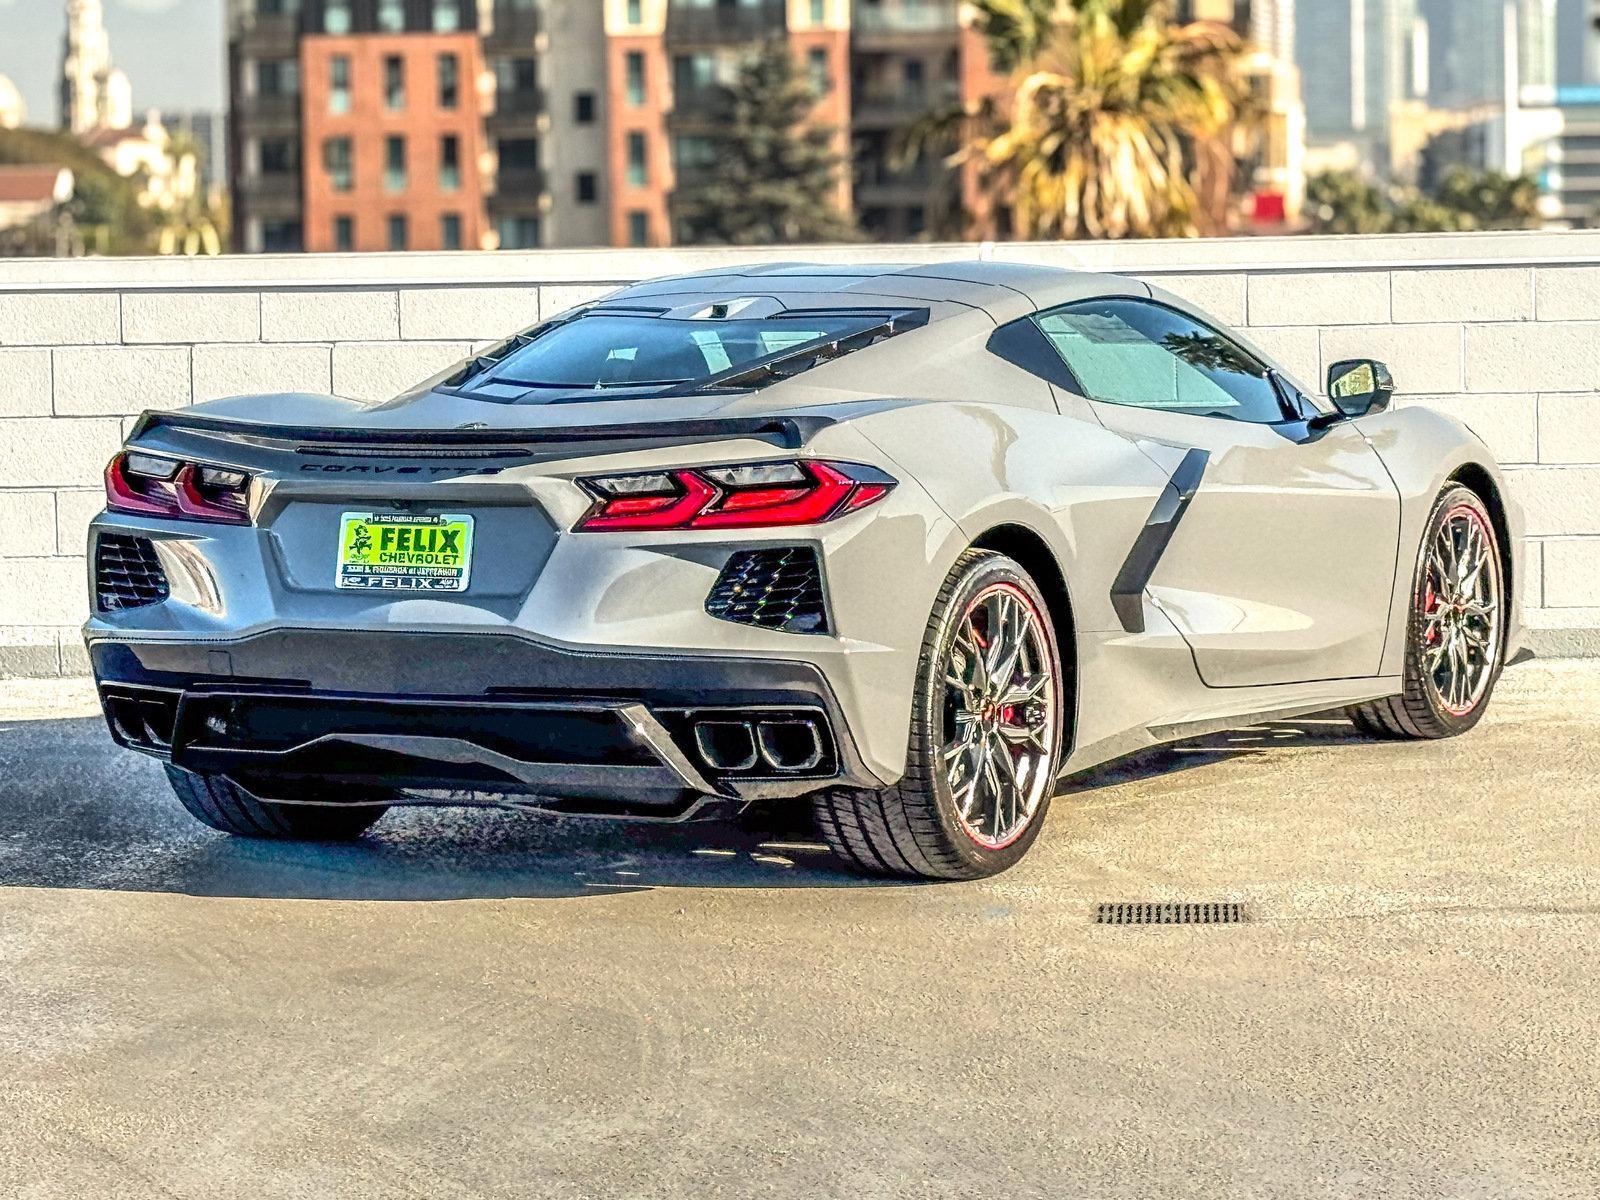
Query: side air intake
<point x="127" y="573"/>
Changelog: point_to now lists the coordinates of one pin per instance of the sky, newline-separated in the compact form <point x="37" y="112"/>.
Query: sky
<point x="172" y="51"/>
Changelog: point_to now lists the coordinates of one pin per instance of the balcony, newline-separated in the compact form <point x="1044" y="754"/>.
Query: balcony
<point x="277" y="110"/>
<point x="278" y="190"/>
<point x="701" y="103"/>
<point x="267" y="35"/>
<point x="521" y="189"/>
<point x="901" y="105"/>
<point x="520" y="112"/>
<point x="512" y="29"/>
<point x="889" y="22"/>
<point x="726" y="23"/>
<point x="922" y="182"/>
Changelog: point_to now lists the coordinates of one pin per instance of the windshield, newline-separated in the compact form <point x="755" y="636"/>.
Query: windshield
<point x="619" y="351"/>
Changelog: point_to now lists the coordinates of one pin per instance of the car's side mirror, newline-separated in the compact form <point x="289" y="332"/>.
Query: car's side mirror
<point x="1359" y="386"/>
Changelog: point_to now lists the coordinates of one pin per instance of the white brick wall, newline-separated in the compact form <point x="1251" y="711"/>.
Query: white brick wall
<point x="1500" y="330"/>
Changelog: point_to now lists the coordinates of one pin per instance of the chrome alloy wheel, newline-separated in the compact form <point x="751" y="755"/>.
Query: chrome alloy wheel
<point x="1000" y="726"/>
<point x="1461" y="611"/>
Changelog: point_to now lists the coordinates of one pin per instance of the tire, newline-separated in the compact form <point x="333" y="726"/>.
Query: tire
<point x="224" y="805"/>
<point x="1425" y="709"/>
<point x="916" y="828"/>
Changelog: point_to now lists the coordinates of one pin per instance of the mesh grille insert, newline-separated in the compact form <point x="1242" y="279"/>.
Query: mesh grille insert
<point x="127" y="573"/>
<point x="1144" y="913"/>
<point x="775" y="589"/>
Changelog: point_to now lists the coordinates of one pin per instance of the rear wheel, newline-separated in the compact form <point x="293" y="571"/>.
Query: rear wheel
<point x="1455" y="641"/>
<point x="986" y="736"/>
<point x="223" y="804"/>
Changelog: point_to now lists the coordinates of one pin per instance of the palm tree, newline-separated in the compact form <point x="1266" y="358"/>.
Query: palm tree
<point x="1112" y="113"/>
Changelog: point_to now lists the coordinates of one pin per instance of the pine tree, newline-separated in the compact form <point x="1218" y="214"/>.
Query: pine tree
<point x="775" y="176"/>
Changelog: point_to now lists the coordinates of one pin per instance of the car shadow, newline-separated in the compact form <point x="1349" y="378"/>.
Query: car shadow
<point x="78" y="812"/>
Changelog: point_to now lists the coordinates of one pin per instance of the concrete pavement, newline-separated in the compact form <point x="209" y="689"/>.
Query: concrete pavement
<point x="476" y="1004"/>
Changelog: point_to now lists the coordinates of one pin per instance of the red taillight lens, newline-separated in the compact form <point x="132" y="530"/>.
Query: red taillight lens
<point x="754" y="496"/>
<point x="163" y="487"/>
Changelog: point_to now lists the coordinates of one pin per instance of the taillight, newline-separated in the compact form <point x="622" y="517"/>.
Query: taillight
<point x="149" y="485"/>
<point x="751" y="496"/>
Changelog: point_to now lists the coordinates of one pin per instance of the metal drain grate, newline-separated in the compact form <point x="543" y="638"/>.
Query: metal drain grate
<point x="1227" y="912"/>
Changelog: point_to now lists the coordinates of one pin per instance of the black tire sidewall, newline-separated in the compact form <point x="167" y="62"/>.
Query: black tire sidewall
<point x="926" y="747"/>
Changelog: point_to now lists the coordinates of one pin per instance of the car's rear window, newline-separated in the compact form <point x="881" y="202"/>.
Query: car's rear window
<point x="604" y="350"/>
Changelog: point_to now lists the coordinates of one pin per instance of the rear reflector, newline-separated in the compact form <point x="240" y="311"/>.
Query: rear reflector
<point x="750" y="496"/>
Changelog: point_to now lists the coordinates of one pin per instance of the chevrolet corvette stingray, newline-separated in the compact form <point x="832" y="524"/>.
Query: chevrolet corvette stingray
<point x="903" y="545"/>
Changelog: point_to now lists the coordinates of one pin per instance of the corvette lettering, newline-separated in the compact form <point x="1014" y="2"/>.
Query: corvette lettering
<point x="364" y="469"/>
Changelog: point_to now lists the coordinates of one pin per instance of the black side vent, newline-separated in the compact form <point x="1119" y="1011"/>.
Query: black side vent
<point x="127" y="573"/>
<point x="1227" y="912"/>
<point x="775" y="589"/>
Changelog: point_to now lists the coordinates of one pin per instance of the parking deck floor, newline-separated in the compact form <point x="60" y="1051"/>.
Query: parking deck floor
<point x="485" y="1003"/>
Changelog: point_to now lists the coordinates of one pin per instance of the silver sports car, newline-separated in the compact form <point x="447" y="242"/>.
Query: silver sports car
<point x="903" y="545"/>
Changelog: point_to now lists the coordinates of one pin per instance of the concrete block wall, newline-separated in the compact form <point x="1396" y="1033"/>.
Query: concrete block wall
<point x="1502" y="330"/>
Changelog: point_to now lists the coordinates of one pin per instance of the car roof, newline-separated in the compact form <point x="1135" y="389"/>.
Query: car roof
<point x="1005" y="290"/>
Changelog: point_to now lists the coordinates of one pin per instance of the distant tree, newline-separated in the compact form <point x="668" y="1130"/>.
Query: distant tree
<point x="1491" y="199"/>
<point x="775" y="175"/>
<point x="1342" y="202"/>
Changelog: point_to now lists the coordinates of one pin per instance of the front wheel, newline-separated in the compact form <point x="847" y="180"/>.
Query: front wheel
<point x="986" y="734"/>
<point x="224" y="805"/>
<point x="1455" y="639"/>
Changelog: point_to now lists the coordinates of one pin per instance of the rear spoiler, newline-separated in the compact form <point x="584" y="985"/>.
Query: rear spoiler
<point x="787" y="432"/>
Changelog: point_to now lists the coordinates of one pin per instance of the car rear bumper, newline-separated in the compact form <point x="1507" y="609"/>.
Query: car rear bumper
<point x="603" y="734"/>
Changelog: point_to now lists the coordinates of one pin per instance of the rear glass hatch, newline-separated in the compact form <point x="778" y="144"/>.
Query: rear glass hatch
<point x="620" y="353"/>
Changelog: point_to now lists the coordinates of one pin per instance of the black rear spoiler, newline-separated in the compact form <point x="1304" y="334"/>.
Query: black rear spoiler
<point x="787" y="432"/>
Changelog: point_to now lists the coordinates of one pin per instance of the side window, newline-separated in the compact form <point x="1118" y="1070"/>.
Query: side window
<point x="1147" y="355"/>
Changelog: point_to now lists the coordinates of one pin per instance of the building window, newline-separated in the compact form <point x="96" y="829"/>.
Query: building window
<point x="339" y="161"/>
<point x="277" y="77"/>
<point x="450" y="163"/>
<point x="450" y="231"/>
<point x="518" y="154"/>
<point x="517" y="80"/>
<point x="339" y="84"/>
<point x="344" y="234"/>
<point x="446" y="16"/>
<point x="638" y="228"/>
<point x="694" y="150"/>
<point x="277" y="8"/>
<point x="391" y="16"/>
<point x="817" y="66"/>
<point x="583" y="108"/>
<point x="280" y="237"/>
<point x="394" y="163"/>
<point x="394" y="82"/>
<point x="518" y="233"/>
<point x="635" y="16"/>
<point x="819" y="12"/>
<point x="692" y="73"/>
<point x="336" y="16"/>
<point x="638" y="167"/>
<point x="280" y="156"/>
<point x="399" y="233"/>
<point x="588" y="187"/>
<point x="635" y="66"/>
<point x="449" y="81"/>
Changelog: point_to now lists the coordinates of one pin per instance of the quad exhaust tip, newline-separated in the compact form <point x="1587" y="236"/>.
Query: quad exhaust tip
<point x="787" y="745"/>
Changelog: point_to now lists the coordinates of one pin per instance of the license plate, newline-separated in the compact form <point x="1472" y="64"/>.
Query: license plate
<point x="403" y="552"/>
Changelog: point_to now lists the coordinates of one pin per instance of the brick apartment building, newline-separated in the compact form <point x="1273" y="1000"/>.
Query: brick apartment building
<point x="416" y="124"/>
<point x="477" y="124"/>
